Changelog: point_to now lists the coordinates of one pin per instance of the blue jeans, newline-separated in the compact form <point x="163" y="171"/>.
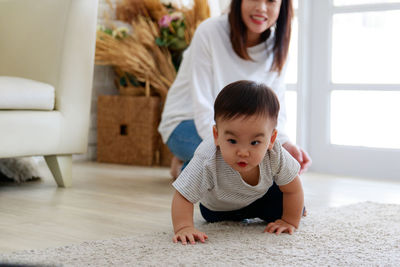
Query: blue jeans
<point x="183" y="141"/>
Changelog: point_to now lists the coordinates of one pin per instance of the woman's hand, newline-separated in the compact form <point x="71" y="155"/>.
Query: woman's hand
<point x="280" y="226"/>
<point x="300" y="155"/>
<point x="189" y="234"/>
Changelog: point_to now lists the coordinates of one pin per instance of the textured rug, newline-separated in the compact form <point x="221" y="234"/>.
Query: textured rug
<point x="365" y="234"/>
<point x="18" y="170"/>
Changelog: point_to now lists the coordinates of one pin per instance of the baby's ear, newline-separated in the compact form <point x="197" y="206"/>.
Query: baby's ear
<point x="273" y="139"/>
<point x="215" y="134"/>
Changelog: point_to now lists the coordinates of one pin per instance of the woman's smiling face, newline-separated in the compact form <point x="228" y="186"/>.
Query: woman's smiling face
<point x="258" y="16"/>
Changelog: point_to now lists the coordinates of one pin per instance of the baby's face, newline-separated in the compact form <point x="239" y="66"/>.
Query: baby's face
<point x="243" y="141"/>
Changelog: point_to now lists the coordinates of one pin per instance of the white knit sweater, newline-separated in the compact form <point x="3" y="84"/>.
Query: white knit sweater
<point x="208" y="65"/>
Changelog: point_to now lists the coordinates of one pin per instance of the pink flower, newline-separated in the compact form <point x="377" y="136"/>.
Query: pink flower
<point x="165" y="21"/>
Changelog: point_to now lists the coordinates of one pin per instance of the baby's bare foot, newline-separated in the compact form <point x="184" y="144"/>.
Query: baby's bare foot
<point x="176" y="165"/>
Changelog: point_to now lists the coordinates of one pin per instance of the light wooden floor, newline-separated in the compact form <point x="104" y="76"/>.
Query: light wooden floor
<point x="108" y="201"/>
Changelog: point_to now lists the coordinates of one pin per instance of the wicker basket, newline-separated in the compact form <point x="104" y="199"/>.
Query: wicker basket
<point x="166" y="155"/>
<point x="127" y="130"/>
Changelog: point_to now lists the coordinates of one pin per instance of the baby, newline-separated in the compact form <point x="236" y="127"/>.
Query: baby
<point x="243" y="172"/>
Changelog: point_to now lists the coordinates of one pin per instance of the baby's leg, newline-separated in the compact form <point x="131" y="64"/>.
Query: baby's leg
<point x="219" y="216"/>
<point x="269" y="207"/>
<point x="176" y="166"/>
<point x="182" y="142"/>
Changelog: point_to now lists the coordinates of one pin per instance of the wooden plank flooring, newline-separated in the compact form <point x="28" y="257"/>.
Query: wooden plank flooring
<point x="110" y="201"/>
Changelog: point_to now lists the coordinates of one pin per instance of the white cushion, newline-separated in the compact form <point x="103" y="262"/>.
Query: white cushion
<point x="20" y="93"/>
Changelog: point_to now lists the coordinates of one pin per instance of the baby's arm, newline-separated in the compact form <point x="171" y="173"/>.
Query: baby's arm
<point x="182" y="219"/>
<point x="293" y="204"/>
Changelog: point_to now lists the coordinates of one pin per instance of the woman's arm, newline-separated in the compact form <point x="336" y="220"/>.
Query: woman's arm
<point x="201" y="82"/>
<point x="279" y="87"/>
<point x="300" y="155"/>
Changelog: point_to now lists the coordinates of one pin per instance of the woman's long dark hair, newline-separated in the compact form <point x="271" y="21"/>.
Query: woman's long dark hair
<point x="238" y="33"/>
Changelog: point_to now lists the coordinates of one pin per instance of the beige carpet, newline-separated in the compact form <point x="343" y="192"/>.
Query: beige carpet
<point x="365" y="234"/>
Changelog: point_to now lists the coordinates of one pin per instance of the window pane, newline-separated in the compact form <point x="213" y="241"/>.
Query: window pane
<point x="365" y="118"/>
<point x="360" y="2"/>
<point x="291" y="72"/>
<point x="291" y="114"/>
<point x="365" y="47"/>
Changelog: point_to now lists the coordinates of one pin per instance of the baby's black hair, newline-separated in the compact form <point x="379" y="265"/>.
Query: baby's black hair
<point x="246" y="98"/>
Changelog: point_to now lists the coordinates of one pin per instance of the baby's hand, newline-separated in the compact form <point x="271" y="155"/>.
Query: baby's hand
<point x="190" y="234"/>
<point x="280" y="226"/>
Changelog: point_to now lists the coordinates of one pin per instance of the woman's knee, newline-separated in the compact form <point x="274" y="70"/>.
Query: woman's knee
<point x="184" y="141"/>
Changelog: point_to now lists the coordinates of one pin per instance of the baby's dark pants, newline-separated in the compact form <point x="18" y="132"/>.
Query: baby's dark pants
<point x="268" y="208"/>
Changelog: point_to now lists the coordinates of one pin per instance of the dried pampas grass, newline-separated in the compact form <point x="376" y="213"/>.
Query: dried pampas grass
<point x="129" y="10"/>
<point x="137" y="53"/>
<point x="194" y="17"/>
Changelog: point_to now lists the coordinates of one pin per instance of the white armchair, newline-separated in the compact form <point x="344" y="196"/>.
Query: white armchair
<point x="52" y="42"/>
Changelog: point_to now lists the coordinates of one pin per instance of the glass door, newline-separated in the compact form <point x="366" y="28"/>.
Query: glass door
<point x="354" y="113"/>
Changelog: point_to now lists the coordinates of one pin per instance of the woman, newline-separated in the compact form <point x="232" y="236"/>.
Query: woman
<point x="250" y="43"/>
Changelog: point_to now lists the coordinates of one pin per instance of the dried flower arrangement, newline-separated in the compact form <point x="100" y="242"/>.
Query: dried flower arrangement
<point x="147" y="57"/>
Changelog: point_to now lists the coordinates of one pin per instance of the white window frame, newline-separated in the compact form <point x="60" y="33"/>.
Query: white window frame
<point x="314" y="88"/>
